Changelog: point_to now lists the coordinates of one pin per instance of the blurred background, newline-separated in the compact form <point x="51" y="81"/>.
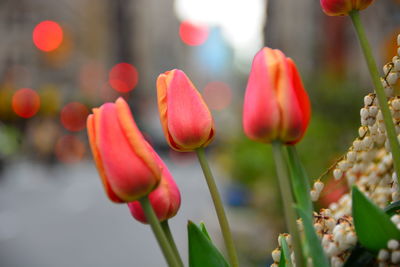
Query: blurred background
<point x="59" y="59"/>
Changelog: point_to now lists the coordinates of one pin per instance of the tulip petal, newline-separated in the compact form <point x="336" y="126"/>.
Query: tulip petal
<point x="165" y="199"/>
<point x="128" y="175"/>
<point x="162" y="81"/>
<point x="292" y="121"/>
<point x="138" y="143"/>
<point x="188" y="119"/>
<point x="301" y="96"/>
<point x="97" y="158"/>
<point x="261" y="113"/>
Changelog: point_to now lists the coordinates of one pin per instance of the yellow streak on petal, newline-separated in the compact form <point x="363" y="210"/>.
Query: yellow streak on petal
<point x="135" y="137"/>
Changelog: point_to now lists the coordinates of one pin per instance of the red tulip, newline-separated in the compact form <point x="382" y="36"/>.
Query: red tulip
<point x="276" y="106"/>
<point x="127" y="164"/>
<point x="343" y="7"/>
<point x="185" y="118"/>
<point x="165" y="199"/>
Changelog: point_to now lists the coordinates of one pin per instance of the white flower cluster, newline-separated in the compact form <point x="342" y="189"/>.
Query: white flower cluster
<point x="368" y="164"/>
<point x="391" y="255"/>
<point x="276" y="253"/>
<point x="338" y="237"/>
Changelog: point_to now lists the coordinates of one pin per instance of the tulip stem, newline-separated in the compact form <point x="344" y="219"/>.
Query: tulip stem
<point x="158" y="232"/>
<point x="219" y="208"/>
<point x="380" y="92"/>
<point x="168" y="234"/>
<point x="287" y="199"/>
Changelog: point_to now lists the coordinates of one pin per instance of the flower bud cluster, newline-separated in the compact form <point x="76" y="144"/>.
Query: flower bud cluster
<point x="316" y="190"/>
<point x="391" y="255"/>
<point x="276" y="253"/>
<point x="368" y="164"/>
<point x="338" y="235"/>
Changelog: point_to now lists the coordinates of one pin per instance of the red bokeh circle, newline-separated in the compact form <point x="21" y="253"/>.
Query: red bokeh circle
<point x="25" y="102"/>
<point x="123" y="77"/>
<point x="47" y="35"/>
<point x="193" y="34"/>
<point x="73" y="116"/>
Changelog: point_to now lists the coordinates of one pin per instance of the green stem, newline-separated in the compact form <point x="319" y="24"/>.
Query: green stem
<point x="158" y="232"/>
<point x="380" y="92"/>
<point x="219" y="208"/>
<point x="168" y="234"/>
<point x="287" y="199"/>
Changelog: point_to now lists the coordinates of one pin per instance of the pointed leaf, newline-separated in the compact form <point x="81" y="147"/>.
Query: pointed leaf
<point x="373" y="226"/>
<point x="314" y="243"/>
<point x="285" y="260"/>
<point x="204" y="230"/>
<point x="202" y="252"/>
<point x="300" y="181"/>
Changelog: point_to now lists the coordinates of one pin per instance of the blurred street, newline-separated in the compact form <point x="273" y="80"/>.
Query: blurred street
<point x="60" y="216"/>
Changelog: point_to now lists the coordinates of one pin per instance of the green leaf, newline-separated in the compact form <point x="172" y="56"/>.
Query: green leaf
<point x="314" y="243"/>
<point x="392" y="208"/>
<point x="202" y="251"/>
<point x="204" y="230"/>
<point x="373" y="226"/>
<point x="285" y="260"/>
<point x="300" y="181"/>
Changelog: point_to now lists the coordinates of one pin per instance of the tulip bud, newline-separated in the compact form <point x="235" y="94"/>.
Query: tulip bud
<point x="185" y="118"/>
<point x="343" y="7"/>
<point x="126" y="163"/>
<point x="165" y="199"/>
<point x="276" y="106"/>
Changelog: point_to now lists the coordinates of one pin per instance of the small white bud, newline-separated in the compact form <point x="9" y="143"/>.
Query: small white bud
<point x="330" y="223"/>
<point x="396" y="63"/>
<point x="289" y="240"/>
<point x="332" y="249"/>
<point x="373" y="111"/>
<point x="351" y="156"/>
<point x="392" y="78"/>
<point x="395" y="257"/>
<point x="276" y="255"/>
<point x="318" y="227"/>
<point x="368" y="99"/>
<point x="398" y="40"/>
<point x="351" y="238"/>
<point x="395" y="219"/>
<point x="362" y="131"/>
<point x="337" y="174"/>
<point x="318" y="186"/>
<point x="383" y="255"/>
<point x="396" y="104"/>
<point x="364" y="113"/>
<point x="314" y="195"/>
<point x="357" y="145"/>
<point x="343" y="165"/>
<point x="393" y="244"/>
<point x="367" y="143"/>
<point x="386" y="68"/>
<point x="325" y="240"/>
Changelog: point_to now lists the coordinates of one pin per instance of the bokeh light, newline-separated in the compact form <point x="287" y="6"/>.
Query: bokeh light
<point x="218" y="95"/>
<point x="25" y="102"/>
<point x="123" y="77"/>
<point x="193" y="34"/>
<point x="47" y="35"/>
<point x="69" y="149"/>
<point x="73" y="116"/>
